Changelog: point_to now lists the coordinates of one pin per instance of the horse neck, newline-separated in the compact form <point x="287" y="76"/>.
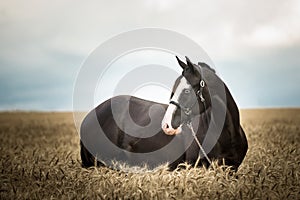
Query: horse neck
<point x="205" y="115"/>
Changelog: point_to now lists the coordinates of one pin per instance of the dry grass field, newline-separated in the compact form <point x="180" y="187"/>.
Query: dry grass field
<point x="40" y="160"/>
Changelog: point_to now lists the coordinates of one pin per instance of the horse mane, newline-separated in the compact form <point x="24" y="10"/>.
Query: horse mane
<point x="206" y="66"/>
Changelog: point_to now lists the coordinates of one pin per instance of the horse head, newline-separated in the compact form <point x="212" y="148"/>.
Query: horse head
<point x="189" y="97"/>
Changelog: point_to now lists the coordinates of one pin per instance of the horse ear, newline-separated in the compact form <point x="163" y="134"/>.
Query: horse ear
<point x="190" y="64"/>
<point x="182" y="64"/>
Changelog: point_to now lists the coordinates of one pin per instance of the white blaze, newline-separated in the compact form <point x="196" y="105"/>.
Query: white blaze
<point x="167" y="120"/>
<point x="168" y="116"/>
<point x="183" y="84"/>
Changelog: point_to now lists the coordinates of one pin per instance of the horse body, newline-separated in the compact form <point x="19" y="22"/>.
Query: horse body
<point x="161" y="120"/>
<point x="138" y="109"/>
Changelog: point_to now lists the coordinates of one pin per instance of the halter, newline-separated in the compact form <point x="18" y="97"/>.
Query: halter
<point x="188" y="112"/>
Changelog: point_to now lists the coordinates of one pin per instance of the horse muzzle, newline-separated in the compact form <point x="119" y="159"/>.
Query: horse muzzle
<point x="171" y="131"/>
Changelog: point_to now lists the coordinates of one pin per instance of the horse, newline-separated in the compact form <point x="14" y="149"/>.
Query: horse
<point x="201" y="124"/>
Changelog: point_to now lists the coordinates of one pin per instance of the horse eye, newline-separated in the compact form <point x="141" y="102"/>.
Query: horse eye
<point x="187" y="91"/>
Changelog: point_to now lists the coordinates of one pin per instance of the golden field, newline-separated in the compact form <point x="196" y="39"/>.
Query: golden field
<point x="40" y="160"/>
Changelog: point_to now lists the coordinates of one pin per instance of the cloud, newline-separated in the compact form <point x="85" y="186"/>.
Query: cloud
<point x="44" y="44"/>
<point x="270" y="79"/>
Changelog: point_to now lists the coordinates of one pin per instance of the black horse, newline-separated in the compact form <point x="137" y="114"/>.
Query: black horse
<point x="138" y="132"/>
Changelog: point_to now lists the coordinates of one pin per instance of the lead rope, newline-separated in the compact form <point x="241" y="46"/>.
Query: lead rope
<point x="200" y="146"/>
<point x="189" y="124"/>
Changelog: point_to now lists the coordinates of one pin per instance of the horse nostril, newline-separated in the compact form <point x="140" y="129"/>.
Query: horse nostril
<point x="167" y="125"/>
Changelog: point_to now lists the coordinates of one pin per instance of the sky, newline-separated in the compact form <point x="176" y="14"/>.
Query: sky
<point x="255" y="45"/>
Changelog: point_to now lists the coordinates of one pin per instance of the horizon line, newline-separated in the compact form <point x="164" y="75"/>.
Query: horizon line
<point x="67" y="110"/>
